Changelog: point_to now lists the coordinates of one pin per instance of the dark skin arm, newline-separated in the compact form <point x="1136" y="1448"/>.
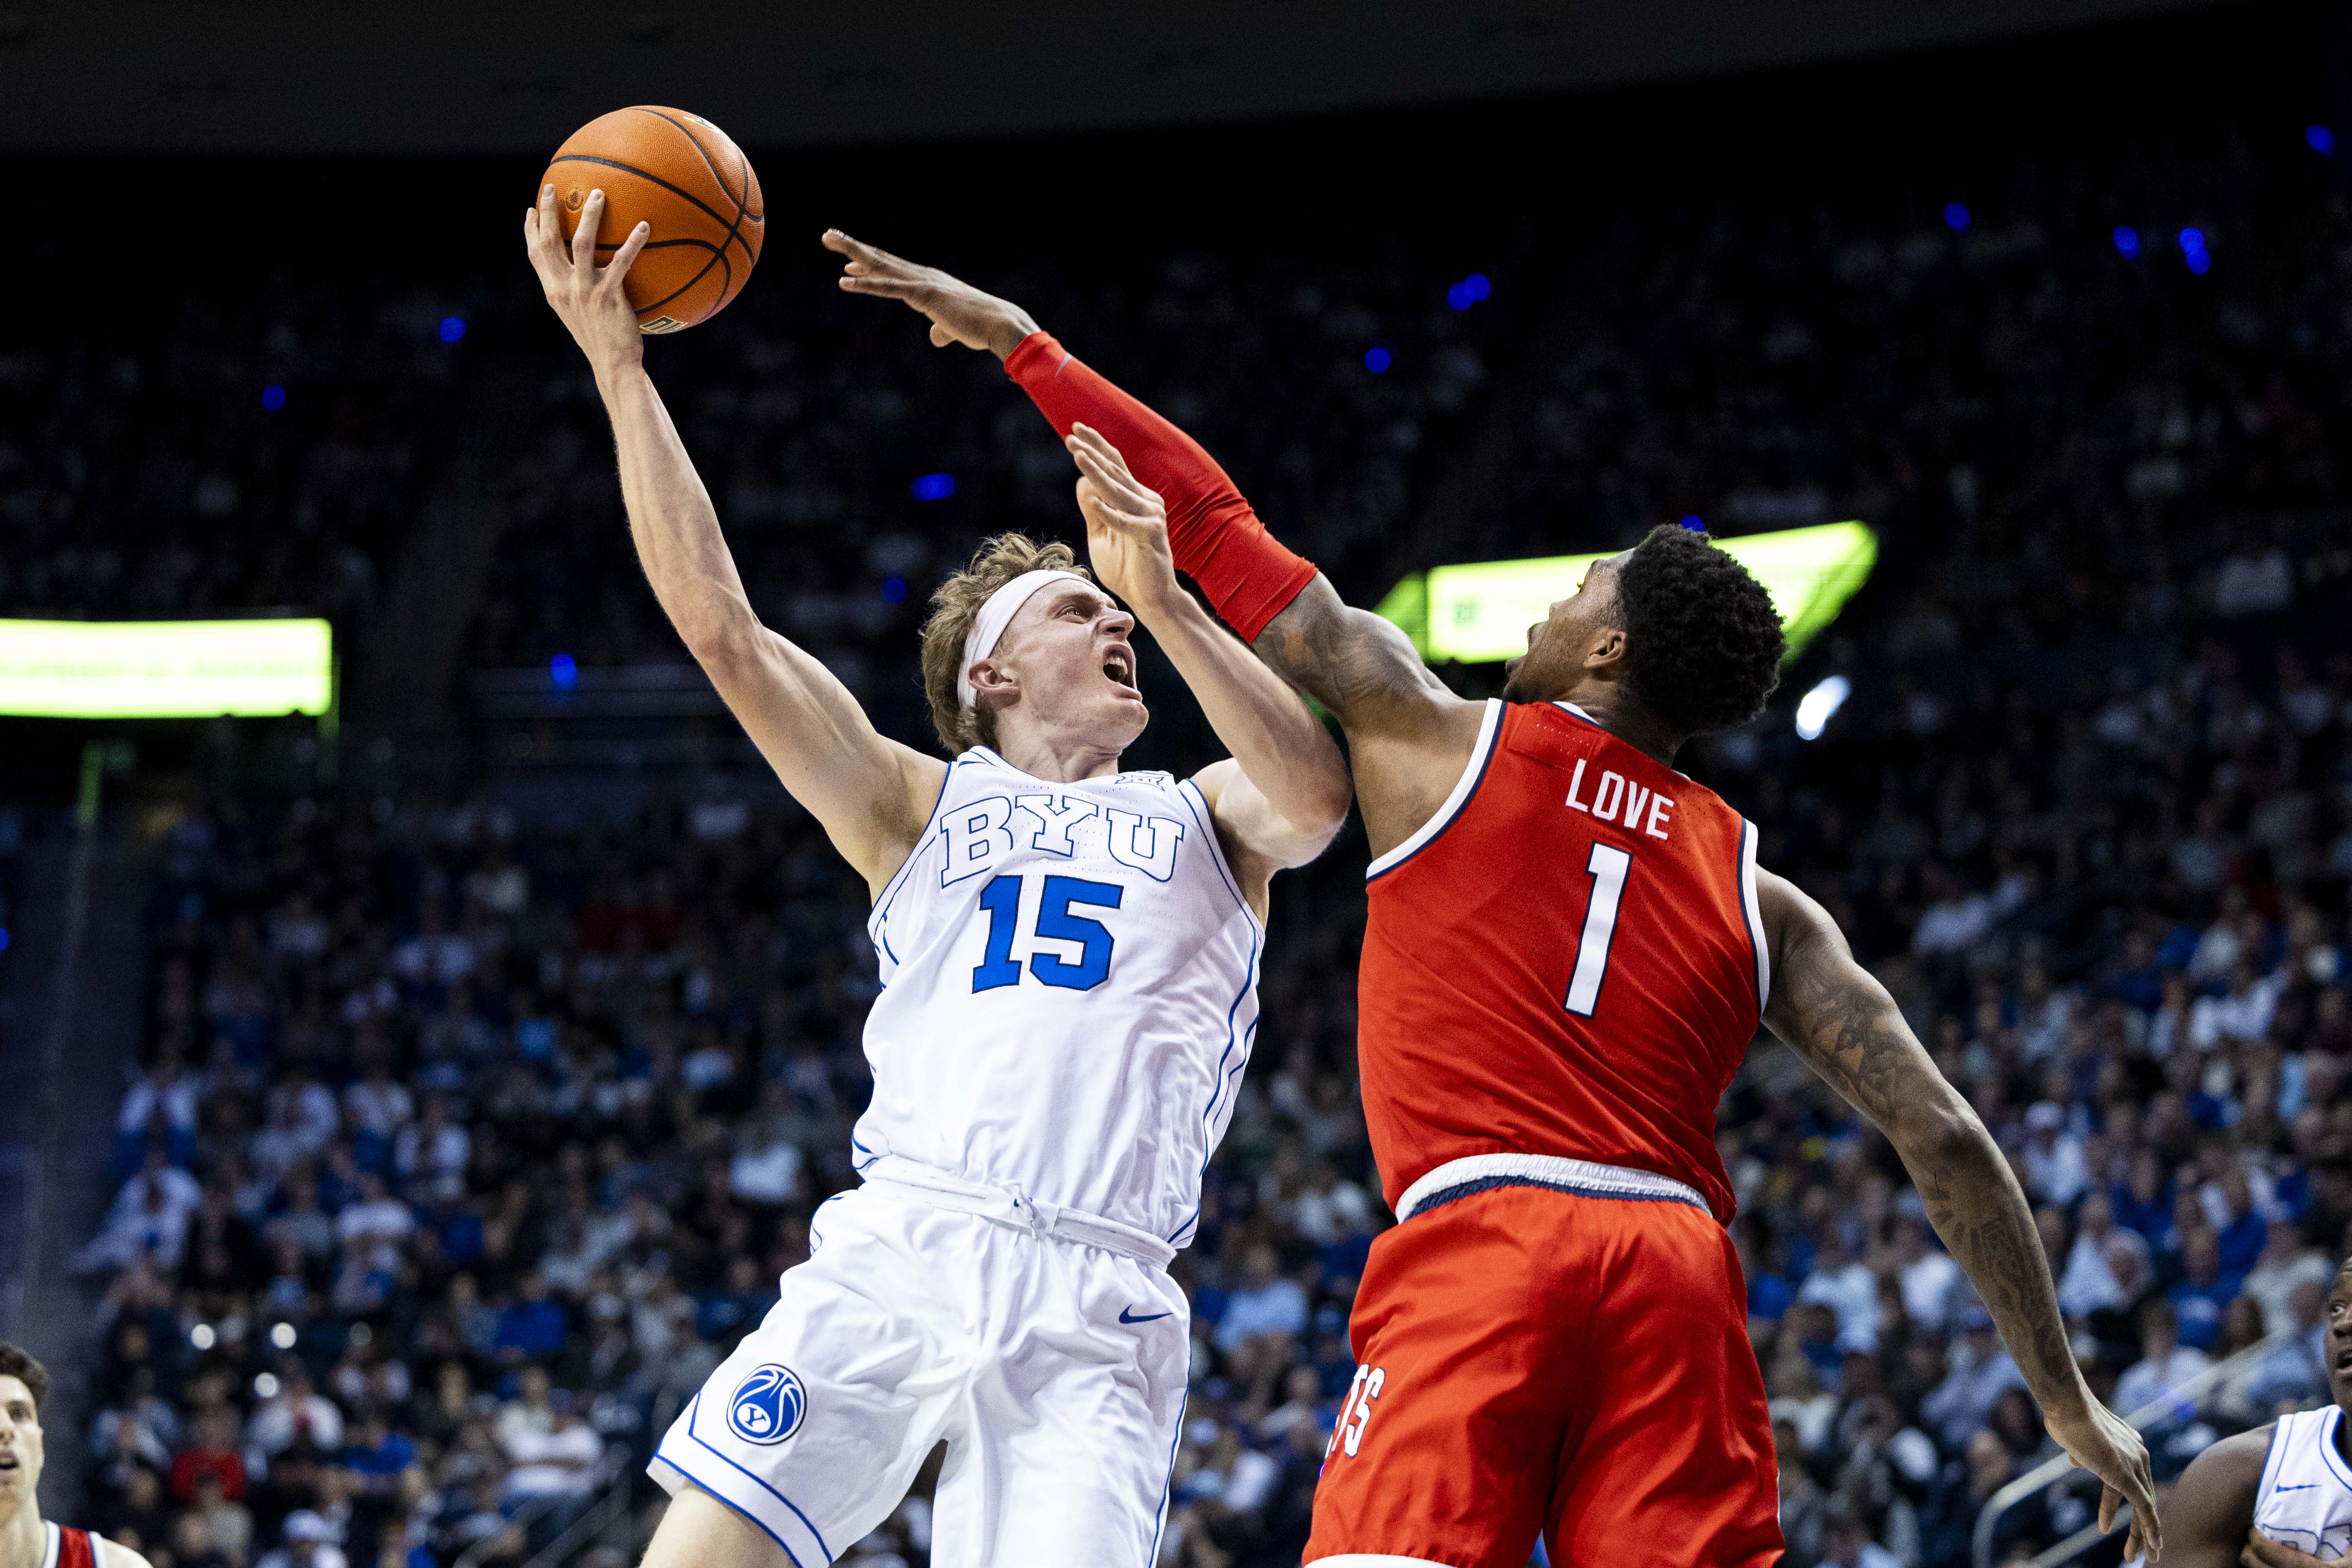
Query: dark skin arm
<point x="2212" y="1508"/>
<point x="1836" y="1016"/>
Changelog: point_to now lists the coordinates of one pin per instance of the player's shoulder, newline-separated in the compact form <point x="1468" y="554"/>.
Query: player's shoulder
<point x="103" y="1552"/>
<point x="2233" y="1465"/>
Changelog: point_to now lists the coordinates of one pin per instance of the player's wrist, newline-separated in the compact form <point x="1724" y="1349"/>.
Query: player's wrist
<point x="1013" y="328"/>
<point x="1159" y="605"/>
<point x="614" y="367"/>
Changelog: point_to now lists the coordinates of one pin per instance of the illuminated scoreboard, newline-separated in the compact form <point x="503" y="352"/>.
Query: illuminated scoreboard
<point x="1479" y="612"/>
<point x="166" y="669"/>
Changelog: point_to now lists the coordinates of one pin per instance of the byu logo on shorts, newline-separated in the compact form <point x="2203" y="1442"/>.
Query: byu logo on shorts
<point x="767" y="1406"/>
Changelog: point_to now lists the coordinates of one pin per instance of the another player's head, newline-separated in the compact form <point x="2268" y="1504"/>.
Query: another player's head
<point x="2339" y="1334"/>
<point x="1020" y="644"/>
<point x="1675" y="627"/>
<point x="24" y="1384"/>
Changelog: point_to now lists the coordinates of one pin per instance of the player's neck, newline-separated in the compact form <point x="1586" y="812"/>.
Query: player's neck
<point x="1058" y="758"/>
<point x="1605" y="704"/>
<point x="22" y="1542"/>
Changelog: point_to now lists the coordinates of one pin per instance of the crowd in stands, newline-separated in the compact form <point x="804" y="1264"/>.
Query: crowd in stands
<point x="462" y="1147"/>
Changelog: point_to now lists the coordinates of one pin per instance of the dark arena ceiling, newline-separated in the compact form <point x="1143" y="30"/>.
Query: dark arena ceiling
<point x="491" y="76"/>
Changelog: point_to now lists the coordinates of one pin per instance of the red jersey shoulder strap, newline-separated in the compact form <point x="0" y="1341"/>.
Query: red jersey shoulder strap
<point x="71" y="1548"/>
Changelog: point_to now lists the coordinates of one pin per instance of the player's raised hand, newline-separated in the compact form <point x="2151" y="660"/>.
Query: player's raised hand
<point x="1127" y="524"/>
<point x="2103" y="1444"/>
<point x="588" y="297"/>
<point x="959" y="312"/>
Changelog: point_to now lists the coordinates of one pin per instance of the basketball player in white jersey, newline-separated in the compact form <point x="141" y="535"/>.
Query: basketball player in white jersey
<point x="26" y="1540"/>
<point x="2279" y="1496"/>
<point x="1069" y="955"/>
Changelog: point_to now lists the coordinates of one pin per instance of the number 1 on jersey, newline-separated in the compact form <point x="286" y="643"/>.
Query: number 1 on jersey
<point x="1607" y="866"/>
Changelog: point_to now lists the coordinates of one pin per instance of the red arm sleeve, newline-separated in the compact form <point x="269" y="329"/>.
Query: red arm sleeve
<point x="1218" y="540"/>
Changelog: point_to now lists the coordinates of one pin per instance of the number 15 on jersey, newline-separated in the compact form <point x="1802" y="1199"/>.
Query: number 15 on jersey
<point x="1056" y="921"/>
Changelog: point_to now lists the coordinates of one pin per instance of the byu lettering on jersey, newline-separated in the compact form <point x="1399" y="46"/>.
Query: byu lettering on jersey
<point x="1069" y="992"/>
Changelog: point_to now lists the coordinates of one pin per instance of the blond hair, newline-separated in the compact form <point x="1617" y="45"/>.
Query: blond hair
<point x="954" y="608"/>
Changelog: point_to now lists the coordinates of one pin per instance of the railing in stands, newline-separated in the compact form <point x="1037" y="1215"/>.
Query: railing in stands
<point x="607" y="1510"/>
<point x="2042" y="1475"/>
<point x="606" y="1517"/>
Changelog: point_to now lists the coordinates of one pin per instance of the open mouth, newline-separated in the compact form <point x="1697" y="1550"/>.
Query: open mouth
<point x="2342" y="1364"/>
<point x="1119" y="665"/>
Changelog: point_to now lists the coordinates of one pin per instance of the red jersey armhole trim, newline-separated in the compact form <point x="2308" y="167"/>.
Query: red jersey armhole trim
<point x="1473" y="771"/>
<point x="1753" y="910"/>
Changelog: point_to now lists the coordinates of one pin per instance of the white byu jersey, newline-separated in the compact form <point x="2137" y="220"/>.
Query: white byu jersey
<point x="1069" y="992"/>
<point x="2306" y="1498"/>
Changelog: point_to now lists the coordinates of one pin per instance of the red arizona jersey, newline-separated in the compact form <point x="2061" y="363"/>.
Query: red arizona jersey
<point x="1567" y="958"/>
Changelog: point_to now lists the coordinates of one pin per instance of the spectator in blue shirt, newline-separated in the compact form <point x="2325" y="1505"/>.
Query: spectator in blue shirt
<point x="722" y="1317"/>
<point x="2144" y="1200"/>
<point x="2200" y="1297"/>
<point x="1267" y="1303"/>
<point x="533" y="1327"/>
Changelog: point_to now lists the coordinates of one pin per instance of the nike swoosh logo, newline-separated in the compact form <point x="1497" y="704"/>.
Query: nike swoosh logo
<point x="1127" y="1317"/>
<point x="2307" y="1486"/>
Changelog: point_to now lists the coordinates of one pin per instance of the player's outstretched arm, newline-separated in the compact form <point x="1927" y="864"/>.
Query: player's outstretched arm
<point x="2212" y="1507"/>
<point x="1282" y="795"/>
<point x="872" y="794"/>
<point x="1835" y="1015"/>
<point x="1410" y="735"/>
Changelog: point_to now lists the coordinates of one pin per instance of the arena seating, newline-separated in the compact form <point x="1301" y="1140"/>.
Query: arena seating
<point x="463" y="1146"/>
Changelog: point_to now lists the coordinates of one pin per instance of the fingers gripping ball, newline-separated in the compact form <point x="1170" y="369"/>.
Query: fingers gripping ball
<point x="687" y="179"/>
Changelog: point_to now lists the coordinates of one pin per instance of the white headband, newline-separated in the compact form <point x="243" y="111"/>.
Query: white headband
<point x="994" y="616"/>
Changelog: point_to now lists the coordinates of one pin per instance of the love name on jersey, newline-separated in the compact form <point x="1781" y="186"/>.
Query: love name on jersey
<point x="983" y="833"/>
<point x="1618" y="799"/>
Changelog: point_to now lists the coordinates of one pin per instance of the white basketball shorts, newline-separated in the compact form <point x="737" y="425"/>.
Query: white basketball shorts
<point x="1054" y="1369"/>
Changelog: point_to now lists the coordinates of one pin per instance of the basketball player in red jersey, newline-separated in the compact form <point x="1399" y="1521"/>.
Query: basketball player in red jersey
<point x="27" y="1540"/>
<point x="1568" y="948"/>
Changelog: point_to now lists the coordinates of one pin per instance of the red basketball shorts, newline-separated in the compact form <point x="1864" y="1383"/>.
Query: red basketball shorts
<point x="1535" y="1361"/>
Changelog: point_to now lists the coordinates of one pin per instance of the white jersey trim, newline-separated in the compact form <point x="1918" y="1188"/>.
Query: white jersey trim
<point x="1754" y="910"/>
<point x="2326" y="1442"/>
<point x="1205" y="819"/>
<point x="1545" y="1169"/>
<point x="1473" y="770"/>
<point x="880" y="915"/>
<point x="52" y="1543"/>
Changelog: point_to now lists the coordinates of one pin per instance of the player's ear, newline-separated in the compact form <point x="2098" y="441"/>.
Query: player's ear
<point x="1607" y="648"/>
<point x="995" y="684"/>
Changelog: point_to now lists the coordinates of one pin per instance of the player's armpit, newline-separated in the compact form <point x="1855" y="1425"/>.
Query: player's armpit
<point x="2213" y="1506"/>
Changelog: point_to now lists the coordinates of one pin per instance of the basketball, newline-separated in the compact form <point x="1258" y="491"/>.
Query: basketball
<point x="685" y="177"/>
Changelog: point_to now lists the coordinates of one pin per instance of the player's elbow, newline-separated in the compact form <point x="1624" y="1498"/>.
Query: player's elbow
<point x="1937" y="1129"/>
<point x="723" y="638"/>
<point x="1324" y="807"/>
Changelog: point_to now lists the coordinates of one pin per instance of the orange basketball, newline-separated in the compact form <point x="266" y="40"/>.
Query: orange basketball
<point x="683" y="175"/>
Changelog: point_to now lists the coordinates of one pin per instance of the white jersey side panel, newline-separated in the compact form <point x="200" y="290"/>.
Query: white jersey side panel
<point x="2306" y="1498"/>
<point x="1069" y="992"/>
